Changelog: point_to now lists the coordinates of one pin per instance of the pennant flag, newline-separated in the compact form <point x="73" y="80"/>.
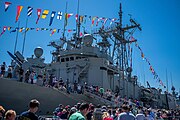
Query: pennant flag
<point x="89" y="18"/>
<point x="38" y="14"/>
<point x="7" y="4"/>
<point x="59" y="15"/>
<point x="66" y="17"/>
<point x="44" y="14"/>
<point x="19" y="8"/>
<point x="52" y="17"/>
<point x="81" y="18"/>
<point x="105" y="20"/>
<point x="93" y="19"/>
<point x="81" y="34"/>
<point x="58" y="30"/>
<point x="142" y="55"/>
<point x="43" y="28"/>
<point x="76" y="17"/>
<point x="37" y="29"/>
<point x="9" y="28"/>
<point x="21" y="29"/>
<point x="112" y="20"/>
<point x="4" y="29"/>
<point x="13" y="30"/>
<point x="98" y="21"/>
<point x="85" y="19"/>
<point x="29" y="12"/>
<point x="69" y="30"/>
<point x="132" y="39"/>
<point x="53" y="32"/>
<point x="27" y="29"/>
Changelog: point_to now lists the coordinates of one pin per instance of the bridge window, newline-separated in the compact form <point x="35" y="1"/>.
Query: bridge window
<point x="62" y="60"/>
<point x="71" y="58"/>
<point x="67" y="59"/>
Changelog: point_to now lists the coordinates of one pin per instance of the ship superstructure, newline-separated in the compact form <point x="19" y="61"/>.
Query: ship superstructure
<point x="106" y="64"/>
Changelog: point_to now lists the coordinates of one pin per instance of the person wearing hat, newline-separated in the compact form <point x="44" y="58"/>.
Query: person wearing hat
<point x="80" y="115"/>
<point x="30" y="114"/>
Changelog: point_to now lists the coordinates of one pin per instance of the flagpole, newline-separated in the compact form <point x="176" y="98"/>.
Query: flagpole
<point x="78" y="25"/>
<point x="78" y="21"/>
<point x="16" y="37"/>
<point x="65" y="21"/>
<point x="25" y="36"/>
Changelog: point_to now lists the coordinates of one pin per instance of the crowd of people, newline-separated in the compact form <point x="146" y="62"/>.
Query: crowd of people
<point x="85" y="111"/>
<point x="123" y="108"/>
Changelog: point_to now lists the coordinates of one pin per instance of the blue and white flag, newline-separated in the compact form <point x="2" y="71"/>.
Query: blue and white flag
<point x="30" y="10"/>
<point x="52" y="17"/>
<point x="59" y="15"/>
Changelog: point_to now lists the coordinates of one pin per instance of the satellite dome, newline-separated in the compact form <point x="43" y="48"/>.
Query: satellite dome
<point x="88" y="39"/>
<point x="38" y="52"/>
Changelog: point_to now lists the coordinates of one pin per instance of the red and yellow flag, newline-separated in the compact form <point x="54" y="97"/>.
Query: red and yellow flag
<point x="19" y="9"/>
<point x="67" y="15"/>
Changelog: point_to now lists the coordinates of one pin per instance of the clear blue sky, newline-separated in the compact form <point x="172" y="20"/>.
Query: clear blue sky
<point x="159" y="39"/>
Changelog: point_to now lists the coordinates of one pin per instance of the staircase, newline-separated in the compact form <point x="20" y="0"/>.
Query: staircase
<point x="84" y="71"/>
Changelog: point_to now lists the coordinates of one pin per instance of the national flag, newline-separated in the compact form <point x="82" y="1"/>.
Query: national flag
<point x="44" y="14"/>
<point x="38" y="14"/>
<point x="30" y="10"/>
<point x="7" y="4"/>
<point x="53" y="32"/>
<point x="52" y="17"/>
<point x="67" y="15"/>
<point x="59" y="15"/>
<point x="19" y="8"/>
<point x="4" y="29"/>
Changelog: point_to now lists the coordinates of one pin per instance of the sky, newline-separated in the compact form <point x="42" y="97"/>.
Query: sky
<point x="159" y="38"/>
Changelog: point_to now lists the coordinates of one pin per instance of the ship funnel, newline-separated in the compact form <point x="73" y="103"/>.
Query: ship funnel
<point x="87" y="40"/>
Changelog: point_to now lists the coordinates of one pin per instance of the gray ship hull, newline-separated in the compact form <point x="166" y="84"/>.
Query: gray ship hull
<point x="16" y="95"/>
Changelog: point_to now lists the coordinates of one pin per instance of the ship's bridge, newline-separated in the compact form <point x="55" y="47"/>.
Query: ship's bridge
<point x="86" y="51"/>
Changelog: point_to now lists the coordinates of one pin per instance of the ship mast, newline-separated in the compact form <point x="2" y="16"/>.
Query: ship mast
<point x="64" y="29"/>
<point x="78" y="26"/>
<point x="121" y="43"/>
